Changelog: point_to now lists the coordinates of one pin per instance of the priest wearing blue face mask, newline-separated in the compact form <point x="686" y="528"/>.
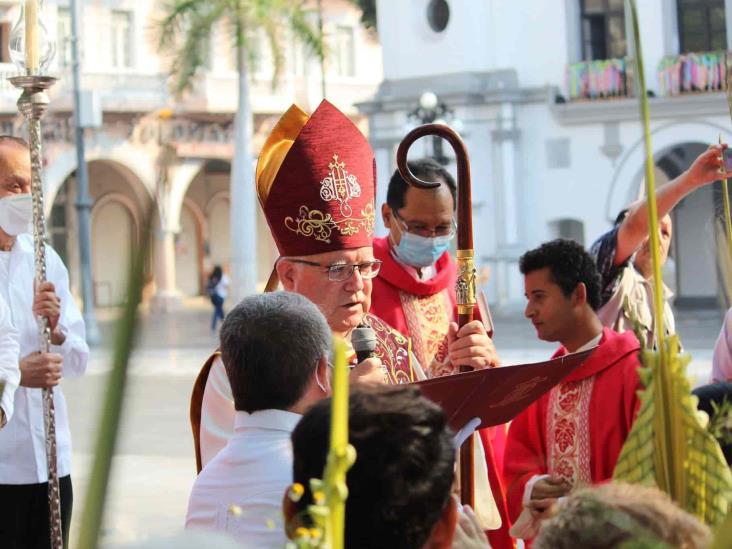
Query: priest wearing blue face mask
<point x="415" y="289"/>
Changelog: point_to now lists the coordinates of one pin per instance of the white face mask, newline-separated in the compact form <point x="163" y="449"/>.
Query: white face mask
<point x="16" y="214"/>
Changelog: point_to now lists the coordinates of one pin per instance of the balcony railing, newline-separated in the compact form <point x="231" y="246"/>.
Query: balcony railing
<point x="692" y="73"/>
<point x="600" y="79"/>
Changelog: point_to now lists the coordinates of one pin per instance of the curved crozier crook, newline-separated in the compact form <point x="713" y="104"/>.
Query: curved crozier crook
<point x="464" y="206"/>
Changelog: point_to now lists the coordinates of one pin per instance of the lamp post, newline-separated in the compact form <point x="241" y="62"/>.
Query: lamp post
<point x="83" y="200"/>
<point x="431" y="110"/>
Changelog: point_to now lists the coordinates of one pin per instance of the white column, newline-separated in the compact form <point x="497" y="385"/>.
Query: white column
<point x="243" y="196"/>
<point x="167" y="298"/>
<point x="508" y="187"/>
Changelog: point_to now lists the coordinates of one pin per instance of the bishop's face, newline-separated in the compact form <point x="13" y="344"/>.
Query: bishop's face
<point x="343" y="303"/>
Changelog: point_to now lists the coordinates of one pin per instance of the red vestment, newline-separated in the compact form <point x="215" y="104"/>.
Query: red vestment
<point x="422" y="311"/>
<point x="577" y="429"/>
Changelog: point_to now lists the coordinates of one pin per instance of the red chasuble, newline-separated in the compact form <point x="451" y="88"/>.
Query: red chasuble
<point x="422" y="310"/>
<point x="576" y="431"/>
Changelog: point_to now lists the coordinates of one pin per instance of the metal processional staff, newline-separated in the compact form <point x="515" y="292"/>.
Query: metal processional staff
<point x="32" y="51"/>
<point x="465" y="285"/>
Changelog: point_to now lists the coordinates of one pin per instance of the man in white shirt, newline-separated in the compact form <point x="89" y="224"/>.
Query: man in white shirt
<point x="275" y="349"/>
<point x="9" y="372"/>
<point x="23" y="467"/>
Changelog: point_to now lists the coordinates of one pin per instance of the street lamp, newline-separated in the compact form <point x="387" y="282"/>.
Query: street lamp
<point x="431" y="110"/>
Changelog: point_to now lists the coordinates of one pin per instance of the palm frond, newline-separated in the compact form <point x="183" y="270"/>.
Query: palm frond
<point x="306" y="33"/>
<point x="272" y="32"/>
<point x="191" y="21"/>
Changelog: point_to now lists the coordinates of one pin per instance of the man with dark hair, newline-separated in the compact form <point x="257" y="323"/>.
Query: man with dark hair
<point x="415" y="293"/>
<point x="23" y="466"/>
<point x="573" y="434"/>
<point x="623" y="254"/>
<point x="399" y="487"/>
<point x="275" y="347"/>
<point x="415" y="289"/>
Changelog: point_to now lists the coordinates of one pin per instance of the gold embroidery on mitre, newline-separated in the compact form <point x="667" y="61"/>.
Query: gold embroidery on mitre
<point x="340" y="185"/>
<point x="321" y="225"/>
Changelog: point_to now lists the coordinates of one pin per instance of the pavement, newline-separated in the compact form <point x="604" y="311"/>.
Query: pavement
<point x="154" y="465"/>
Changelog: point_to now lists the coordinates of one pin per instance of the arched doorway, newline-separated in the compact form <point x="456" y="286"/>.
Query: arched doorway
<point x="203" y="240"/>
<point x="119" y="200"/>
<point x="693" y="254"/>
<point x="114" y="232"/>
<point x="189" y="251"/>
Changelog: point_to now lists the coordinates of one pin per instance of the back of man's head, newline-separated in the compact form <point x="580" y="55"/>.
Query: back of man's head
<point x="271" y="345"/>
<point x="621" y="515"/>
<point x="399" y="487"/>
<point x="569" y="264"/>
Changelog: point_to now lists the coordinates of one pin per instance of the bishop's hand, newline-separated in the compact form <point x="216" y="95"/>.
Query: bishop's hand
<point x="470" y="346"/>
<point x="370" y="371"/>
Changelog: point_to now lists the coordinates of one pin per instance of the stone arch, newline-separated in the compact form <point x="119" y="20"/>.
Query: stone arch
<point x="116" y="191"/>
<point x="629" y="172"/>
<point x="135" y="166"/>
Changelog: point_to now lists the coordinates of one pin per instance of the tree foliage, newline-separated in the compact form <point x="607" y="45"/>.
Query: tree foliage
<point x="368" y="12"/>
<point x="187" y="27"/>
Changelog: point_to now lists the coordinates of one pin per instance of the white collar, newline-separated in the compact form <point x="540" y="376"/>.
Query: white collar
<point x="272" y="419"/>
<point x="594" y="342"/>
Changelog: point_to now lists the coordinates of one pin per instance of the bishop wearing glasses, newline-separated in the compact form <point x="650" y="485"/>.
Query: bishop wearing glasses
<point x="315" y="181"/>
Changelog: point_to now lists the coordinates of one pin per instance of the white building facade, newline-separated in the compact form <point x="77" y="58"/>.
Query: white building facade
<point x="544" y="98"/>
<point x="152" y="148"/>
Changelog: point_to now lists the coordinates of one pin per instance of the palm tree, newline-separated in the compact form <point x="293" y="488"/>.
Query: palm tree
<point x="184" y="32"/>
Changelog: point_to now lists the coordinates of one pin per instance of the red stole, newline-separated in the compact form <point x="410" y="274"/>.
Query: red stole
<point x="577" y="430"/>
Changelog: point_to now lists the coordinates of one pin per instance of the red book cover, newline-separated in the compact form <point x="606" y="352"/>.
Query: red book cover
<point x="497" y="395"/>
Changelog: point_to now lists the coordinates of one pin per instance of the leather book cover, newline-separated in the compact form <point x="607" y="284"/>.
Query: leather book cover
<point x="497" y="395"/>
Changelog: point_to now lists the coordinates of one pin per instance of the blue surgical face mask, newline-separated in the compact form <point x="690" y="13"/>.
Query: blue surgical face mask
<point x="421" y="251"/>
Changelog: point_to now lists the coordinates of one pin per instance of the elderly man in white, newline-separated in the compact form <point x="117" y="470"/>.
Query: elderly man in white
<point x="23" y="468"/>
<point x="9" y="371"/>
<point x="275" y="347"/>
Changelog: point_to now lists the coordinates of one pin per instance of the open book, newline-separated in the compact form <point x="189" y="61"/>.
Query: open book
<point x="497" y="395"/>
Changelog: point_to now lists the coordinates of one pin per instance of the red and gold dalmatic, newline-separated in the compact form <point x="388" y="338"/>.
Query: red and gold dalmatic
<point x="316" y="181"/>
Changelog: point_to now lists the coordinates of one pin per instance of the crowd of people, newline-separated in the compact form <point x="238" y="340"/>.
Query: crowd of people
<point x="260" y="408"/>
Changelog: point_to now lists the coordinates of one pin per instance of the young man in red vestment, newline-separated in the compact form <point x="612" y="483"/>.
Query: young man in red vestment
<point x="415" y="289"/>
<point x="571" y="436"/>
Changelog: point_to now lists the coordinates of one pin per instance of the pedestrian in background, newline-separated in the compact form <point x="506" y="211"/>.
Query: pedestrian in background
<point x="217" y="287"/>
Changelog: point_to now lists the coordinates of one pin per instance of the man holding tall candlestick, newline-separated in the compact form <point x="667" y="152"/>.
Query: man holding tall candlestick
<point x="24" y="516"/>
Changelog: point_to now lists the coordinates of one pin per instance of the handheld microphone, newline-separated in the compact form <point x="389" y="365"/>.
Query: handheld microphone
<point x="363" y="339"/>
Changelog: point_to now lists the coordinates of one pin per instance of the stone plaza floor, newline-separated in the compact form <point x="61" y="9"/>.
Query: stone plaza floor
<point x="154" y="466"/>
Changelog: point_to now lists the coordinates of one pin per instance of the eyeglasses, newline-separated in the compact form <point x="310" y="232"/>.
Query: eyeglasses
<point x="420" y="230"/>
<point x="343" y="271"/>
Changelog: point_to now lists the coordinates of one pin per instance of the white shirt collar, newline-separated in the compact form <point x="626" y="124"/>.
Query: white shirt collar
<point x="272" y="419"/>
<point x="594" y="342"/>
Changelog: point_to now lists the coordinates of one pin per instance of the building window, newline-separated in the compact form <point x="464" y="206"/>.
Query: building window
<point x="603" y="29"/>
<point x="438" y="15"/>
<point x="121" y="39"/>
<point x="5" y="27"/>
<point x="63" y="37"/>
<point x="344" y="52"/>
<point x="702" y="25"/>
<point x="570" y="229"/>
<point x="57" y="223"/>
